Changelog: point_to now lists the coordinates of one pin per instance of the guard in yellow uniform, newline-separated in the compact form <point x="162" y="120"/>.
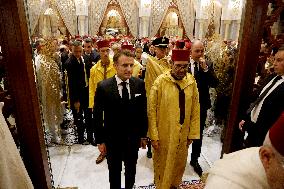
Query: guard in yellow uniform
<point x="102" y="70"/>
<point x="173" y="113"/>
<point x="155" y="66"/>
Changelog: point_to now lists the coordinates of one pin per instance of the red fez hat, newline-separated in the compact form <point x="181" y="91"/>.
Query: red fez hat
<point x="127" y="47"/>
<point x="180" y="55"/>
<point x="103" y="43"/>
<point x="125" y="43"/>
<point x="276" y="134"/>
<point x="188" y="45"/>
<point x="180" y="44"/>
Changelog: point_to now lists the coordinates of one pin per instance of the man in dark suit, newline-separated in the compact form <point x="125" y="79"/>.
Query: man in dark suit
<point x="78" y="89"/>
<point x="205" y="78"/>
<point x="121" y="117"/>
<point x="91" y="57"/>
<point x="268" y="106"/>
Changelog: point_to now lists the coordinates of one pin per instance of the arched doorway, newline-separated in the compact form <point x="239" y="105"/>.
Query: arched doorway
<point x="172" y="24"/>
<point x="114" y="22"/>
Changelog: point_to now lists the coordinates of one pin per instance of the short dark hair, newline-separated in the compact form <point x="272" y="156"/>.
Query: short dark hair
<point x="77" y="43"/>
<point x="88" y="40"/>
<point x="138" y="46"/>
<point x="127" y="53"/>
<point x="65" y="42"/>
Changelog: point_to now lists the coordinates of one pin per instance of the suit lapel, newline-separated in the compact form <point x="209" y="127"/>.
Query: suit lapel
<point x="132" y="88"/>
<point x="115" y="88"/>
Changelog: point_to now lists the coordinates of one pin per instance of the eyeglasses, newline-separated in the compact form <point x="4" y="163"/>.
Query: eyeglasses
<point x="181" y="66"/>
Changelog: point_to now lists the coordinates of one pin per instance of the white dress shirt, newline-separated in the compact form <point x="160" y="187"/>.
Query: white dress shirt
<point x="192" y="66"/>
<point x="256" y="110"/>
<point x="120" y="87"/>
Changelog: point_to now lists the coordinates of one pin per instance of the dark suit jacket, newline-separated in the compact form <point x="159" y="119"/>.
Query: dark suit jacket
<point x="205" y="80"/>
<point x="272" y="107"/>
<point x="76" y="81"/>
<point x="121" y="122"/>
<point x="95" y="56"/>
<point x="88" y="64"/>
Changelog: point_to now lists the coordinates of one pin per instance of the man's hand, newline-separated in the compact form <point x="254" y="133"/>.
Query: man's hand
<point x="189" y="141"/>
<point x="143" y="143"/>
<point x="203" y="64"/>
<point x="241" y="125"/>
<point x="102" y="148"/>
<point x="77" y="106"/>
<point x="155" y="144"/>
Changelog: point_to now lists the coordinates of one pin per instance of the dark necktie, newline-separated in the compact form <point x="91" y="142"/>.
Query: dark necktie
<point x="105" y="71"/>
<point x="125" y="94"/>
<point x="181" y="104"/>
<point x="262" y="95"/>
<point x="195" y="69"/>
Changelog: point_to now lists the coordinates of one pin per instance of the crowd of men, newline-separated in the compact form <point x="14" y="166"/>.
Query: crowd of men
<point x="126" y="94"/>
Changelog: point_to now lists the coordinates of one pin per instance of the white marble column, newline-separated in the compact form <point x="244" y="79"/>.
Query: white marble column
<point x="46" y="26"/>
<point x="81" y="24"/>
<point x="238" y="29"/>
<point x="144" y="26"/>
<point x="227" y="27"/>
<point x="40" y="25"/>
<point x="201" y="29"/>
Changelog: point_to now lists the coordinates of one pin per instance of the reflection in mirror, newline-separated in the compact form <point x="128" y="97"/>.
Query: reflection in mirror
<point x="12" y="166"/>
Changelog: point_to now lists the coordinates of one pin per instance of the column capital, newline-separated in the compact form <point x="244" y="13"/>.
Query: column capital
<point x="227" y="21"/>
<point x="201" y="20"/>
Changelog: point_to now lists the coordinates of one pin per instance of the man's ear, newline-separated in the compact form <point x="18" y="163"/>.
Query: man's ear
<point x="266" y="156"/>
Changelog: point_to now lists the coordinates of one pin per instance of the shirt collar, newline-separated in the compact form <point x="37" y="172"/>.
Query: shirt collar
<point x="119" y="81"/>
<point x="192" y="62"/>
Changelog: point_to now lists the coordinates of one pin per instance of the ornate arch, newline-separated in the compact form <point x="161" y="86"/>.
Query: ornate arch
<point x="122" y="27"/>
<point x="165" y="29"/>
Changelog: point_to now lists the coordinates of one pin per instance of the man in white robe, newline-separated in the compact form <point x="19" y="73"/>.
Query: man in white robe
<point x="252" y="168"/>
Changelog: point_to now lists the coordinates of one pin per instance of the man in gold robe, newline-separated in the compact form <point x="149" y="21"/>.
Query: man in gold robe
<point x="104" y="69"/>
<point x="155" y="66"/>
<point x="173" y="113"/>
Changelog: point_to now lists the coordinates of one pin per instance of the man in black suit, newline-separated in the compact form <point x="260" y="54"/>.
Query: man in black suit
<point x="205" y="78"/>
<point x="78" y="89"/>
<point x="91" y="57"/>
<point x="268" y="106"/>
<point x="121" y="117"/>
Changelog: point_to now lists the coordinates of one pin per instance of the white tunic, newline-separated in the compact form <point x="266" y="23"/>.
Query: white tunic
<point x="239" y="170"/>
<point x="13" y="174"/>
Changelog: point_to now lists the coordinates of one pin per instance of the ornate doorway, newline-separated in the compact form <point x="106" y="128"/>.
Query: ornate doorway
<point x="114" y="22"/>
<point x="172" y="24"/>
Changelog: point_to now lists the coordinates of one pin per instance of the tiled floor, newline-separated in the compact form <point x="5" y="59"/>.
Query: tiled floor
<point x="75" y="165"/>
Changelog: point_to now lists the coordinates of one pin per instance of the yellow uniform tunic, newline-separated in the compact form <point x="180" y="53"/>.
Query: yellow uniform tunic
<point x="136" y="68"/>
<point x="97" y="75"/>
<point x="154" y="68"/>
<point x="164" y="126"/>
